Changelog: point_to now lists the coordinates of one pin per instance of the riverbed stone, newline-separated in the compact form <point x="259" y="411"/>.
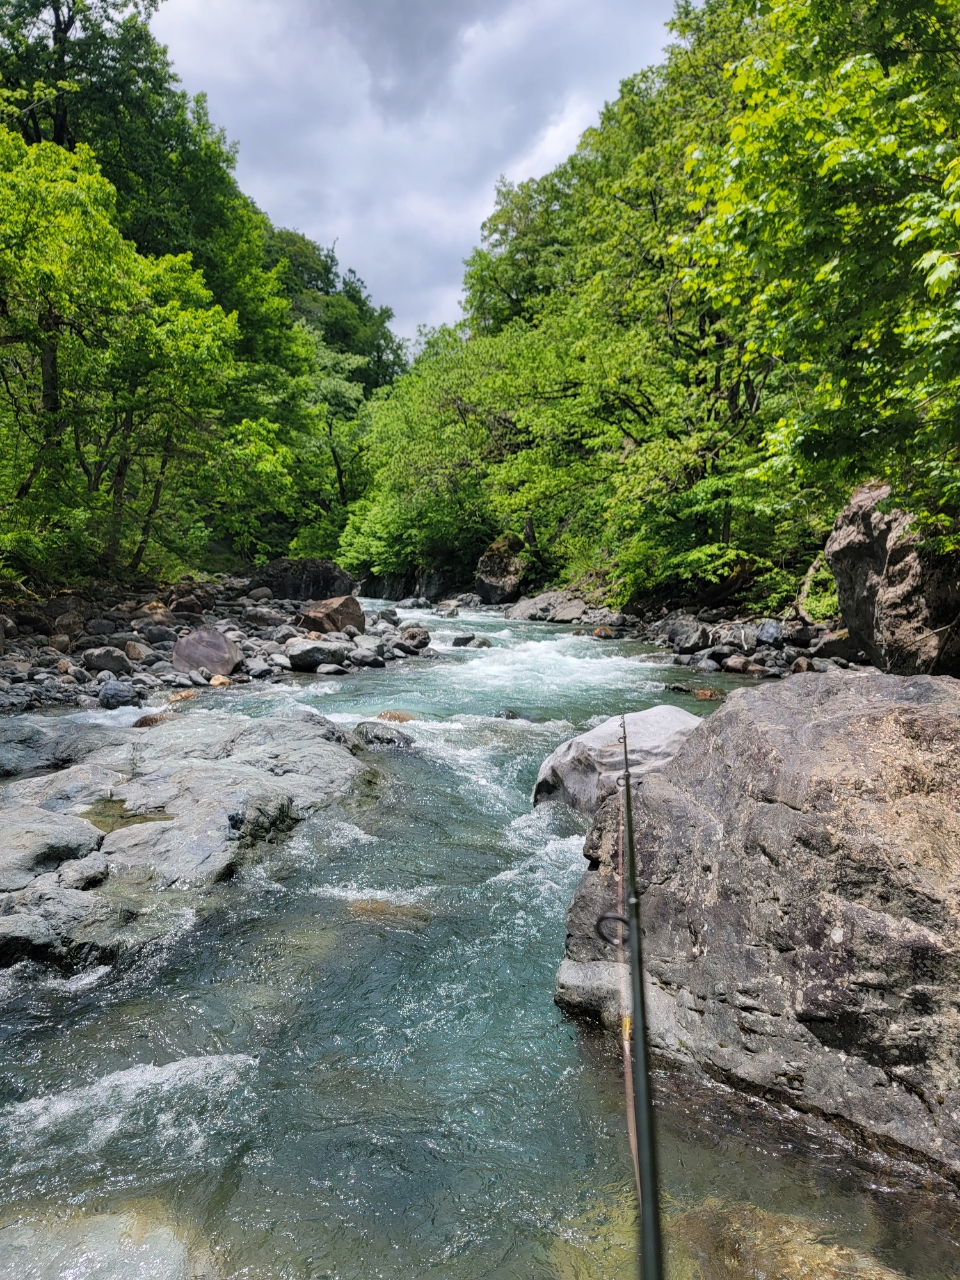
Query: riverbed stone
<point x="801" y="902"/>
<point x="583" y="771"/>
<point x="308" y="655"/>
<point x="107" y="658"/>
<point x="377" y="733"/>
<point x="336" y="614"/>
<point x="199" y="793"/>
<point x="206" y="648"/>
<point x="114" y="694"/>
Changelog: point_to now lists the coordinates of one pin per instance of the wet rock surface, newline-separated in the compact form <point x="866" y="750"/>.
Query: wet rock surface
<point x="801" y="904"/>
<point x="196" y="793"/>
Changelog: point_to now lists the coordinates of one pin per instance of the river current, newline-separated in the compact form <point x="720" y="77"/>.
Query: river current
<point x="348" y="1064"/>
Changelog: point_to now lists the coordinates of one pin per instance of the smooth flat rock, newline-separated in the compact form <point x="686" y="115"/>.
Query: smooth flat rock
<point x="801" y="857"/>
<point x="583" y="772"/>
<point x="198" y="792"/>
<point x="206" y="648"/>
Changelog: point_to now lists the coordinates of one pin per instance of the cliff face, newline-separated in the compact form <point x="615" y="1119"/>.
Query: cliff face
<point x="900" y="605"/>
<point x="801" y="872"/>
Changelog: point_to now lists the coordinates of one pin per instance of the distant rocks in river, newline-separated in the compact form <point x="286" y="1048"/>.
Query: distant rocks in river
<point x="800" y="864"/>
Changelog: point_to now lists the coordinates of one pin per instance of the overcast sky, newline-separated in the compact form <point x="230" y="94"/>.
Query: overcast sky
<point x="384" y="124"/>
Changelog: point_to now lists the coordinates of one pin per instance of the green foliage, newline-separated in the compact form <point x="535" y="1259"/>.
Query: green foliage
<point x="617" y="415"/>
<point x="835" y="228"/>
<point x="158" y="395"/>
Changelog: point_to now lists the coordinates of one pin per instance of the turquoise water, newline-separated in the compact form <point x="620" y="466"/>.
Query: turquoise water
<point x="352" y="1066"/>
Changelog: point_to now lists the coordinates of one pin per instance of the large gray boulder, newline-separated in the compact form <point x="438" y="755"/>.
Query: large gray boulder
<point x="206" y="648"/>
<point x="801" y="903"/>
<point x="583" y="771"/>
<point x="307" y="655"/>
<point x="900" y="604"/>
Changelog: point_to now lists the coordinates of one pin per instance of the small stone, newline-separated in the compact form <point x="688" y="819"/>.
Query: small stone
<point x="207" y="675"/>
<point x="331" y="669"/>
<point x="460" y="641"/>
<point x="799" y="665"/>
<point x="260" y="593"/>
<point x="183" y="696"/>
<point x="395" y="717"/>
<point x="602" y="633"/>
<point x="219" y="682"/>
<point x="197" y="679"/>
<point x="136" y="652"/>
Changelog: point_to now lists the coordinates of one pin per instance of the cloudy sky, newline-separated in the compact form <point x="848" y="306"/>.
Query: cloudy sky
<point x="384" y="124"/>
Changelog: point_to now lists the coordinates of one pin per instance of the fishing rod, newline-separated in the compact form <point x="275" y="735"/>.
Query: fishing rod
<point x="636" y="1052"/>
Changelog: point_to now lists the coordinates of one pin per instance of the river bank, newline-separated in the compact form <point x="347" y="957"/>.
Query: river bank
<point x="348" y="1061"/>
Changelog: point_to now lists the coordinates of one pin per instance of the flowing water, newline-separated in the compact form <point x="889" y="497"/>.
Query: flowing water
<point x="351" y="1065"/>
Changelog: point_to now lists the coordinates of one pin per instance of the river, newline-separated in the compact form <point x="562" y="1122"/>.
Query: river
<point x="350" y="1065"/>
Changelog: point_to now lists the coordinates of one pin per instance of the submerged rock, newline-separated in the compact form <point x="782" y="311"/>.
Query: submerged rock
<point x="583" y="771"/>
<point x="801" y="872"/>
<point x="377" y="733"/>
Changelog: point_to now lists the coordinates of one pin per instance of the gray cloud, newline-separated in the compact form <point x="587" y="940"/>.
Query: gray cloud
<point x="384" y="124"/>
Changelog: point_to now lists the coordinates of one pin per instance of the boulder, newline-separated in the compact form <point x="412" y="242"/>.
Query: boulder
<point x="572" y="611"/>
<point x="836" y="644"/>
<point x="69" y="624"/>
<point x="107" y="658"/>
<point x="376" y="733"/>
<point x="413" y="638"/>
<point x="306" y="579"/>
<point x="33" y="841"/>
<point x="463" y="639"/>
<point x="500" y="571"/>
<point x="334" y="614"/>
<point x="206" y="648"/>
<point x="155" y="615"/>
<point x="308" y="655"/>
<point x="900" y="603"/>
<point x="800" y="875"/>
<point x="583" y="771"/>
<point x="541" y="608"/>
<point x="114" y="694"/>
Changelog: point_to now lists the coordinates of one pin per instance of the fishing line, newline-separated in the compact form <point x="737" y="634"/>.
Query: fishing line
<point x="636" y="1064"/>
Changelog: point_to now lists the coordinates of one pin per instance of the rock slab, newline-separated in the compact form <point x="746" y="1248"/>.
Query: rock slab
<point x="801" y="902"/>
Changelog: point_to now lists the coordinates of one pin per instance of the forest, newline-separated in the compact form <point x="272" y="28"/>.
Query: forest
<point x="679" y="351"/>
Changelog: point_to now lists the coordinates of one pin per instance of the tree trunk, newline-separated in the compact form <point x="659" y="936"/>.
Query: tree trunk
<point x="153" y="509"/>
<point x="54" y="425"/>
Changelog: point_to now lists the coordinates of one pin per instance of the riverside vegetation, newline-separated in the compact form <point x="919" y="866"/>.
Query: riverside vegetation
<point x="680" y="350"/>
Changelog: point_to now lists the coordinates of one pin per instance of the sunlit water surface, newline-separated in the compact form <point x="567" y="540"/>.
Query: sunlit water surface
<point x="352" y="1066"/>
